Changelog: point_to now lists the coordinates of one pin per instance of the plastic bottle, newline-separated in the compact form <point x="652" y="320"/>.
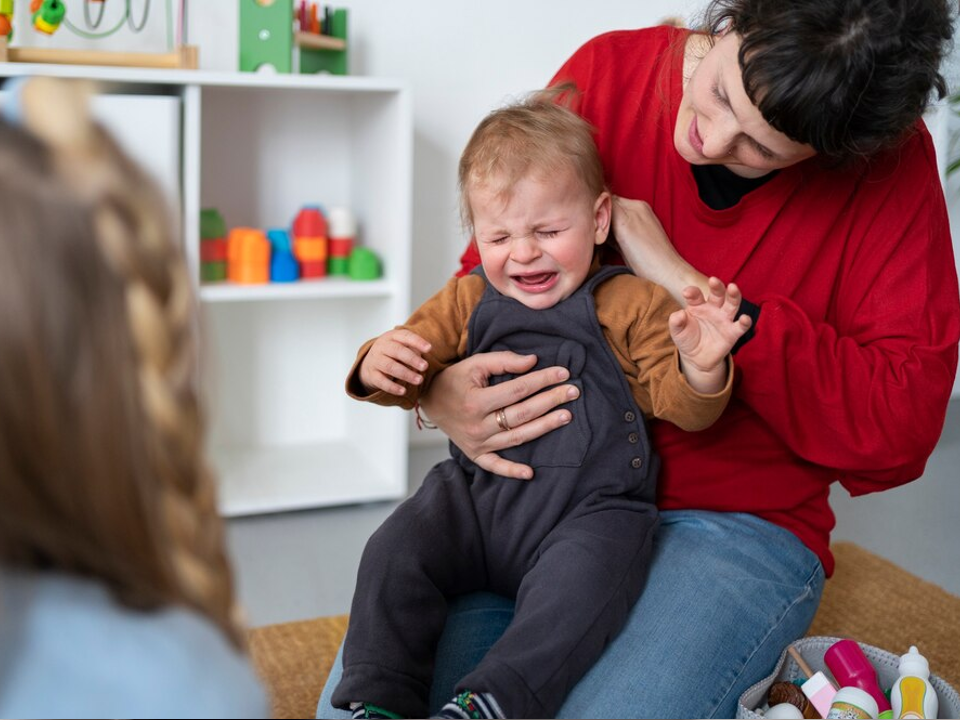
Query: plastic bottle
<point x="852" y="703"/>
<point x="912" y="695"/>
<point x="852" y="669"/>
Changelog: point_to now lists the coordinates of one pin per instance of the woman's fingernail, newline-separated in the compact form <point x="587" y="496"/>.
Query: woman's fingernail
<point x="562" y="374"/>
<point x="573" y="392"/>
<point x="565" y="418"/>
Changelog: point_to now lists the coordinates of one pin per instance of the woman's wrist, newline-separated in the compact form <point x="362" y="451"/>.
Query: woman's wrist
<point x="682" y="276"/>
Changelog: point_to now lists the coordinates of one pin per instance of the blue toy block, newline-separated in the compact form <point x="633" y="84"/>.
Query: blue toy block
<point x="284" y="268"/>
<point x="283" y="265"/>
<point x="280" y="240"/>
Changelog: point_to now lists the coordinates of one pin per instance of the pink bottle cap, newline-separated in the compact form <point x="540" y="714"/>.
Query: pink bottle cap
<point x="852" y="669"/>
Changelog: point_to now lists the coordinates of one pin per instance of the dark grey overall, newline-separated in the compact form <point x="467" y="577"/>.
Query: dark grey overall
<point x="571" y="546"/>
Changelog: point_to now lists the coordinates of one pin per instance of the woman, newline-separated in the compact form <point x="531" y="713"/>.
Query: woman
<point x="784" y="152"/>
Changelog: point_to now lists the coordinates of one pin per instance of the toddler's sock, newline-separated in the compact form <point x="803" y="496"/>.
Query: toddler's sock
<point x="372" y="712"/>
<point x="470" y="706"/>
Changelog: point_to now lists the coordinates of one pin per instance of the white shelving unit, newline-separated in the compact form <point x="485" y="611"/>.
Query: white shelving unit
<point x="283" y="433"/>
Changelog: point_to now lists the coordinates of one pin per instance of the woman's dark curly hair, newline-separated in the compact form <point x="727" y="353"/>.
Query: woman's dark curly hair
<point x="848" y="77"/>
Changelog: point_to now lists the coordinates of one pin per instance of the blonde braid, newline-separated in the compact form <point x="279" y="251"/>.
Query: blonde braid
<point x="138" y="247"/>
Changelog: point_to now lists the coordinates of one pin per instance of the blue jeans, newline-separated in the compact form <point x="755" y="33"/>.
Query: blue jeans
<point x="727" y="592"/>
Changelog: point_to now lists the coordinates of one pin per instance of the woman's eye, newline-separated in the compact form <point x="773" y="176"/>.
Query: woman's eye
<point x="715" y="90"/>
<point x="762" y="152"/>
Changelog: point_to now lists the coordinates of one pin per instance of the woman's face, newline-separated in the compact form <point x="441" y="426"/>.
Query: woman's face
<point x="717" y="124"/>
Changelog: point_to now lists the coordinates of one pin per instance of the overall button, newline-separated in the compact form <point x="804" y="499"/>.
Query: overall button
<point x="634" y="438"/>
<point x="636" y="463"/>
<point x="629" y="416"/>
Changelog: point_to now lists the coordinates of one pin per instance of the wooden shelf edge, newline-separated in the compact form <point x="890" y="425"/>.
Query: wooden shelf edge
<point x="185" y="58"/>
<point x="313" y="41"/>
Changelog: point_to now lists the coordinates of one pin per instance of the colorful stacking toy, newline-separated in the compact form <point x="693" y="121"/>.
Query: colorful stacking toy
<point x="248" y="254"/>
<point x="364" y="264"/>
<point x="310" y="242"/>
<point x="283" y="265"/>
<point x="343" y="232"/>
<point x="213" y="246"/>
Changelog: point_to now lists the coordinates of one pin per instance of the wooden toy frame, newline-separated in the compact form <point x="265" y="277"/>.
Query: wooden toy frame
<point x="185" y="57"/>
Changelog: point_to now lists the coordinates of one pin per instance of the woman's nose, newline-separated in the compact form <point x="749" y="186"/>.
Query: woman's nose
<point x="718" y="139"/>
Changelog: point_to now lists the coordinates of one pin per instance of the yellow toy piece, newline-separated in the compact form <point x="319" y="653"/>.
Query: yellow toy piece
<point x="48" y="16"/>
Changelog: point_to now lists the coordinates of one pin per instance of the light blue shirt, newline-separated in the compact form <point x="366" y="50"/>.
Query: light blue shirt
<point x="68" y="649"/>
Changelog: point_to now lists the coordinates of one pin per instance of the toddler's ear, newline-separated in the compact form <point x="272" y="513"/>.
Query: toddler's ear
<point x="602" y="212"/>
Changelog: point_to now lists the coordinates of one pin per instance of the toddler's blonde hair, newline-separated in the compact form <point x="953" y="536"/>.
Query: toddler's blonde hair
<point x="540" y="135"/>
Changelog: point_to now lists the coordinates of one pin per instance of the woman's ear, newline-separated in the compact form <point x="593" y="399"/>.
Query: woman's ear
<point x="602" y="209"/>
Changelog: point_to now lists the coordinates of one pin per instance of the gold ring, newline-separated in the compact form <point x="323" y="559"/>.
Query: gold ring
<point x="502" y="420"/>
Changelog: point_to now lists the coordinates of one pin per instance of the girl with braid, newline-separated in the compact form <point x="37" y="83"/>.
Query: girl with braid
<point x="116" y="596"/>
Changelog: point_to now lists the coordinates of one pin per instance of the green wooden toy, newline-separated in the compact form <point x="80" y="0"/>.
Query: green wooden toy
<point x="338" y="266"/>
<point x="266" y="35"/>
<point x="213" y="271"/>
<point x="364" y="264"/>
<point x="212" y="224"/>
<point x="329" y="61"/>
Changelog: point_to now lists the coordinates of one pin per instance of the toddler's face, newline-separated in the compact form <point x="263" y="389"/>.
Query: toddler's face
<point x="536" y="242"/>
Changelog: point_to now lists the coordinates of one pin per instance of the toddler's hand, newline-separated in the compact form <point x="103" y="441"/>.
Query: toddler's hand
<point x="395" y="355"/>
<point x="705" y="331"/>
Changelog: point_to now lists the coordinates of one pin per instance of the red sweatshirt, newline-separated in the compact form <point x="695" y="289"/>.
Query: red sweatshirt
<point x="850" y="371"/>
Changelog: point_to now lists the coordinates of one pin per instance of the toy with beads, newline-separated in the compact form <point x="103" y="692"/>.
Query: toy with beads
<point x="47" y="15"/>
<point x="6" y="18"/>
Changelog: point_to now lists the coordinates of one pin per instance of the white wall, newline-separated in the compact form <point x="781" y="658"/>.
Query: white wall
<point x="462" y="58"/>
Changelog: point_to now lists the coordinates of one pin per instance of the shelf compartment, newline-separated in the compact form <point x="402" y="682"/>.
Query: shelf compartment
<point x="281" y="478"/>
<point x="273" y="381"/>
<point x="282" y="432"/>
<point x="267" y="152"/>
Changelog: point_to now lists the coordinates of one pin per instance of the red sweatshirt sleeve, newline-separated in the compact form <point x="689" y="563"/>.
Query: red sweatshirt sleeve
<point x="866" y="391"/>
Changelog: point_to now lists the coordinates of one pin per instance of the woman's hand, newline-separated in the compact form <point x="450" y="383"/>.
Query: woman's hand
<point x="649" y="252"/>
<point x="463" y="404"/>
